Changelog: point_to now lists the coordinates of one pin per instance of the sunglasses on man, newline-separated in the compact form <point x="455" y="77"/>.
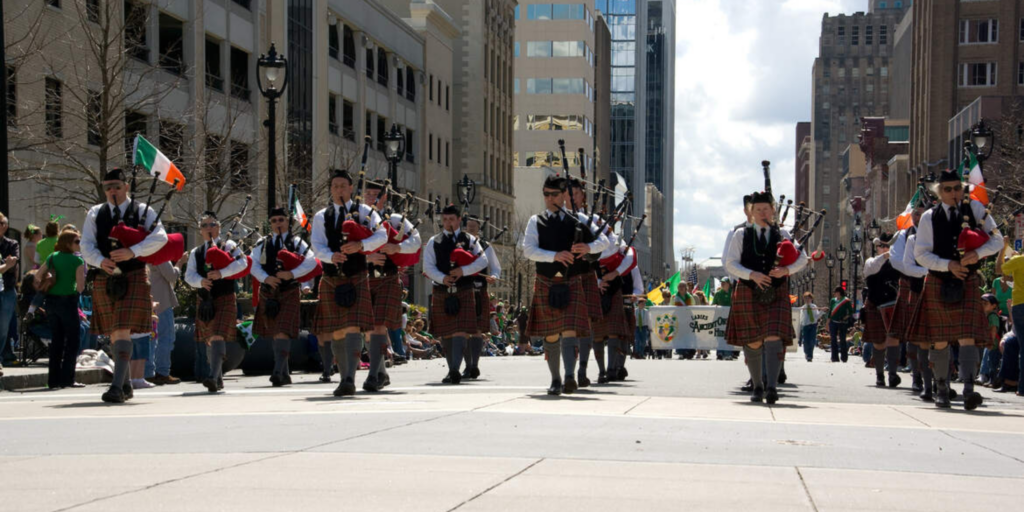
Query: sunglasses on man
<point x="954" y="188"/>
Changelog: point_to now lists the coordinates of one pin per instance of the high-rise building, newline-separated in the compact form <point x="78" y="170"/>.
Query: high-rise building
<point x="803" y="162"/>
<point x="659" y="101"/>
<point x="851" y="80"/>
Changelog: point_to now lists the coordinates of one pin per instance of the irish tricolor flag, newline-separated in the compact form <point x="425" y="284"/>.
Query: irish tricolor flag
<point x="972" y="168"/>
<point x="300" y="215"/>
<point x="158" y="165"/>
<point x="904" y="221"/>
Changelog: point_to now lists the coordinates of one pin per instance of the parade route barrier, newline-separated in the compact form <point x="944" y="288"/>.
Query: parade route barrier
<point x="695" y="327"/>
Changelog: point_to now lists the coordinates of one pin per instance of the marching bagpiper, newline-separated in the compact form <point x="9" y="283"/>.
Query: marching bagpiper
<point x="280" y="261"/>
<point x="212" y="266"/>
<point x="905" y="309"/>
<point x="557" y="241"/>
<point x="122" y="303"/>
<point x="761" y="315"/>
<point x="343" y="233"/>
<point x="612" y="327"/>
<point x="952" y="239"/>
<point x="590" y="278"/>
<point x="451" y="259"/>
<point x="489" y="275"/>
<point x="385" y="284"/>
<point x="883" y="291"/>
<point x="911" y="282"/>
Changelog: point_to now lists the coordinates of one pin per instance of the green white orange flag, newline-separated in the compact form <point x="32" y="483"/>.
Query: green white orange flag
<point x="971" y="166"/>
<point x="156" y="163"/>
<point x="904" y="221"/>
<point x="300" y="215"/>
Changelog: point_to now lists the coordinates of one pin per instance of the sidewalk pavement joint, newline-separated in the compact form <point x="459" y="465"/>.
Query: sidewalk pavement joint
<point x="499" y="484"/>
<point x="807" y="491"/>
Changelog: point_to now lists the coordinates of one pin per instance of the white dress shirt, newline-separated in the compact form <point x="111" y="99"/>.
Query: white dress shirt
<point x="896" y="250"/>
<point x="367" y="216"/>
<point x="531" y="242"/>
<point x="874" y="264"/>
<point x="638" y="281"/>
<point x="732" y="258"/>
<point x="301" y="248"/>
<point x="728" y="241"/>
<point x="411" y="244"/>
<point x="430" y="257"/>
<point x="925" y="237"/>
<point x="601" y="241"/>
<point x="195" y="280"/>
<point x="493" y="265"/>
<point x="151" y="244"/>
<point x="909" y="264"/>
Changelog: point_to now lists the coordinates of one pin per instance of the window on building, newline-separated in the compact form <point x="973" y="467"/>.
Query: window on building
<point x="538" y="48"/>
<point x="856" y="72"/>
<point x="241" y="170"/>
<point x="382" y="131"/>
<point x="978" y="74"/>
<point x="11" y="90"/>
<point x="439" y="92"/>
<point x="54" y="108"/>
<point x="515" y="47"/>
<point x="243" y="3"/>
<point x="369" y="124"/>
<point x="979" y="31"/>
<point x="515" y="86"/>
<point x="826" y="189"/>
<point x="409" y="145"/>
<point x="447" y="154"/>
<point x="172" y="52"/>
<point x="410" y="84"/>
<point x="382" y="67"/>
<point x="136" y="20"/>
<point x="135" y="123"/>
<point x="883" y="72"/>
<point x="538" y="12"/>
<point x="369" y="63"/>
<point x="333" y="46"/>
<point x="1020" y="73"/>
<point x="332" y="114"/>
<point x="93" y="118"/>
<point x="883" y="35"/>
<point x="439" y="150"/>
<point x="53" y="3"/>
<point x="431" y="93"/>
<point x="430" y="147"/>
<point x="349" y="49"/>
<point x="348" y="121"/>
<point x="214" y="75"/>
<point x="92" y="10"/>
<point x="172" y="140"/>
<point x="855" y="36"/>
<point x="400" y="83"/>
<point x="447" y="98"/>
<point x="869" y="35"/>
<point x="240" y="74"/>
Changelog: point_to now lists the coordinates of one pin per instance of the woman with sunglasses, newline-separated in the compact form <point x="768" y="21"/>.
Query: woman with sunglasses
<point x="68" y="270"/>
<point x="950" y="307"/>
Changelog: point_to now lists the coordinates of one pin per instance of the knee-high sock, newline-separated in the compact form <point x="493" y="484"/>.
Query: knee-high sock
<point x="327" y="357"/>
<point x="927" y="375"/>
<point x="458" y="349"/>
<point x="122" y="361"/>
<point x="915" y="366"/>
<point x="476" y="347"/>
<point x="281" y="353"/>
<point x="341" y="355"/>
<point x="773" y="360"/>
<point x="569" y="356"/>
<point x="378" y="347"/>
<point x="892" y="358"/>
<point x="446" y="345"/>
<point x="553" y="352"/>
<point x="612" y="344"/>
<point x="939" y="360"/>
<point x="968" y="366"/>
<point x="878" y="356"/>
<point x="753" y="359"/>
<point x="599" y="355"/>
<point x="216" y="353"/>
<point x="586" y="345"/>
<point x="354" y="349"/>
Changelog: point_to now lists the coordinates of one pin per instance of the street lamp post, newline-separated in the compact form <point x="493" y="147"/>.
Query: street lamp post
<point x="813" y="275"/>
<point x="841" y="256"/>
<point x="829" y="263"/>
<point x="273" y="68"/>
<point x="855" y="246"/>
<point x="874" y="230"/>
<point x="394" y="144"/>
<point x="467" y="193"/>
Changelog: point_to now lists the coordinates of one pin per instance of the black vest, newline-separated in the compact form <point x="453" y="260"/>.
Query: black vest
<point x="757" y="258"/>
<point x="554" y="234"/>
<point x="883" y="285"/>
<point x="105" y="223"/>
<point x="482" y="276"/>
<point x="356" y="263"/>
<point x="443" y="248"/>
<point x="627" y="283"/>
<point x="945" y="233"/>
<point x="389" y="268"/>
<point x="220" y="286"/>
<point x="268" y="259"/>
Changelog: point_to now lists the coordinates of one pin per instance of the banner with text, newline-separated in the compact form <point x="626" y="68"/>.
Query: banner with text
<point x="695" y="327"/>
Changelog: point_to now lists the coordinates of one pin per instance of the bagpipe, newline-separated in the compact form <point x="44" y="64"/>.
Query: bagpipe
<point x="217" y="256"/>
<point x="129" y="236"/>
<point x="401" y="234"/>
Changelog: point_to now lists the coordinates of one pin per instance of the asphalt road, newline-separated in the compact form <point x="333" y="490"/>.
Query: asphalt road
<point x="676" y="435"/>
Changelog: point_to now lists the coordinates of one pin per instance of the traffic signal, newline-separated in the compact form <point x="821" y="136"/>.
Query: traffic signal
<point x="843" y="284"/>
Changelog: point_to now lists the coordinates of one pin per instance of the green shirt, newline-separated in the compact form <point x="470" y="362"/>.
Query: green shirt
<point x="843" y="313"/>
<point x="993" y="320"/>
<point x="722" y="298"/>
<point x="45" y="248"/>
<point x="64" y="266"/>
<point x="1002" y="296"/>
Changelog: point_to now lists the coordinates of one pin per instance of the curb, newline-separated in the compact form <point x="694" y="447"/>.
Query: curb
<point x="38" y="380"/>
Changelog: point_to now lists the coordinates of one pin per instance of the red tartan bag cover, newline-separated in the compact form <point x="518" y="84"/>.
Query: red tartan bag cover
<point x="400" y="259"/>
<point x="787" y="252"/>
<point x="291" y="261"/>
<point x="171" y="250"/>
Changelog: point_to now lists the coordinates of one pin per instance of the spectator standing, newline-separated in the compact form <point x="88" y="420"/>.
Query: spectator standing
<point x="9" y="253"/>
<point x="1014" y="268"/>
<point x="642" y="330"/>
<point x="162" y="278"/>
<point x="809" y="316"/>
<point x="61" y="305"/>
<point x="32" y="236"/>
<point x="46" y="246"/>
<point x="840" y="312"/>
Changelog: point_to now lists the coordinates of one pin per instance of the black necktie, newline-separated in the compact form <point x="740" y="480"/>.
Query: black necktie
<point x="952" y="214"/>
<point x="117" y="214"/>
<point x="761" y="239"/>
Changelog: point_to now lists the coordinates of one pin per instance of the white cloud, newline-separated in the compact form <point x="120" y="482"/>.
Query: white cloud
<point x="743" y="81"/>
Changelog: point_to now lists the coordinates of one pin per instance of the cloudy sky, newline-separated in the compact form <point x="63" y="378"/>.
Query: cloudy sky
<point x="743" y="81"/>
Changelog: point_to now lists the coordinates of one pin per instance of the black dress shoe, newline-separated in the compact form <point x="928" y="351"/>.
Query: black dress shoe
<point x="129" y="393"/>
<point x="1006" y="388"/>
<point x="972" y="400"/>
<point x="894" y="380"/>
<point x="771" y="396"/>
<point x="114" y="395"/>
<point x="325" y="378"/>
<point x="623" y="373"/>
<point x="220" y="383"/>
<point x="384" y="379"/>
<point x="582" y="379"/>
<point x="286" y="379"/>
<point x="371" y="384"/>
<point x="447" y="379"/>
<point x="879" y="381"/>
<point x="570" y="386"/>
<point x="748" y="387"/>
<point x="275" y="380"/>
<point x="917" y="387"/>
<point x="211" y="385"/>
<point x="345" y="388"/>
<point x="475" y="373"/>
<point x="556" y="388"/>
<point x="927" y="395"/>
<point x="942" y="400"/>
<point x="757" y="395"/>
<point x="952" y="394"/>
<point x="782" y="377"/>
<point x="467" y="373"/>
<point x="602" y="378"/>
<point x="455" y="377"/>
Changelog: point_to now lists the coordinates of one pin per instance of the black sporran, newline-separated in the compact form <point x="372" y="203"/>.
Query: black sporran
<point x="952" y="290"/>
<point x="559" y="295"/>
<point x="606" y="303"/>
<point x="452" y="305"/>
<point x="345" y="295"/>
<point x="206" y="311"/>
<point x="271" y="307"/>
<point x="117" y="286"/>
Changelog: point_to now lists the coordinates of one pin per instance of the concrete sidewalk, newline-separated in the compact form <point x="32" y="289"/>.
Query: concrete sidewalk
<point x="34" y="376"/>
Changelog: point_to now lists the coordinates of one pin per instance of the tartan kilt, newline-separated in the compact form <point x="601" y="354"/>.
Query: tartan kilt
<point x="612" y="325"/>
<point x="905" y="303"/>
<point x="224" y="323"/>
<point x="483" y="298"/>
<point x="547" y="321"/>
<point x="288" y="317"/>
<point x="133" y="312"/>
<point x="934" y="321"/>
<point x="629" y="311"/>
<point x="443" y="325"/>
<point x="592" y="295"/>
<point x="874" y="326"/>
<point x="330" y="317"/>
<point x="750" y="321"/>
<point x="386" y="296"/>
